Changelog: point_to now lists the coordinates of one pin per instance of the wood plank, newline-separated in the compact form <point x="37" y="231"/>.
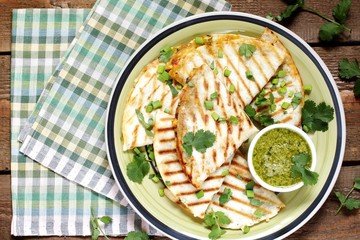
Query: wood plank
<point x="306" y="25"/>
<point x="321" y="226"/>
<point x="6" y="7"/>
<point x="5" y="113"/>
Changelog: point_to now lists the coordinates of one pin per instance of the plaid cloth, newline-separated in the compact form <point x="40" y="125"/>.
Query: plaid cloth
<point x="67" y="134"/>
<point x="60" y="134"/>
<point x="45" y="203"/>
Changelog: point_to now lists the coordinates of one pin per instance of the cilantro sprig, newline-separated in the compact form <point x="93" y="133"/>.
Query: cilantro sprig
<point x="225" y="196"/>
<point x="350" y="71"/>
<point x="347" y="201"/>
<point x="201" y="140"/>
<point x="299" y="169"/>
<point x="139" y="167"/>
<point x="316" y="117"/>
<point x="95" y="227"/>
<point x="137" y="235"/>
<point x="330" y="29"/>
<point x="214" y="220"/>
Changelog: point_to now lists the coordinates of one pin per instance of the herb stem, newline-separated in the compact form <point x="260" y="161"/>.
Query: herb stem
<point x="342" y="204"/>
<point x="309" y="9"/>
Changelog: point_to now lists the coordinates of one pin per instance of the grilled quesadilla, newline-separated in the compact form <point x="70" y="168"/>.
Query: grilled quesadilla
<point x="168" y="163"/>
<point x="251" y="62"/>
<point x="241" y="209"/>
<point x="208" y="106"/>
<point x="148" y="96"/>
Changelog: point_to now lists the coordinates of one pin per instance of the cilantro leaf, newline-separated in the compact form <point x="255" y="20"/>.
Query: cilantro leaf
<point x="201" y="140"/>
<point x="225" y="196"/>
<point x="299" y="168"/>
<point x="165" y="54"/>
<point x="264" y="119"/>
<point x="247" y="50"/>
<point x="214" y="220"/>
<point x="357" y="183"/>
<point x="147" y="126"/>
<point x="352" y="203"/>
<point x="250" y="111"/>
<point x="137" y="169"/>
<point x="290" y="10"/>
<point x="94" y="225"/>
<point x="316" y="118"/>
<point x="341" y="197"/>
<point x="349" y="70"/>
<point x="341" y="11"/>
<point x="137" y="235"/>
<point x="255" y="202"/>
<point x="329" y="30"/>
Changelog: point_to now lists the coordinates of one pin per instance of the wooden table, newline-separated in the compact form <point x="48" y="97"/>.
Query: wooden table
<point x="324" y="224"/>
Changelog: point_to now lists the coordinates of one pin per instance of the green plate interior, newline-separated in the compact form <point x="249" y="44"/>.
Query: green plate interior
<point x="296" y="202"/>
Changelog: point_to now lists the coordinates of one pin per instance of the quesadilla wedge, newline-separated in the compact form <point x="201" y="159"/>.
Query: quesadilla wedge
<point x="251" y="62"/>
<point x="240" y="209"/>
<point x="207" y="106"/>
<point x="180" y="190"/>
<point x="286" y="88"/>
<point x="148" y="92"/>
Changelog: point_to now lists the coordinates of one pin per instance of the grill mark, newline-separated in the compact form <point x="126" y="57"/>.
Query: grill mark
<point x="198" y="203"/>
<point x="241" y="60"/>
<point x="186" y="182"/>
<point x="197" y="102"/>
<point x="135" y="133"/>
<point x="287" y="119"/>
<point x="234" y="210"/>
<point x="214" y="156"/>
<point x="165" y="140"/>
<point x="166" y="129"/>
<point x="166" y="162"/>
<point x="167" y="151"/>
<point x="248" y="204"/>
<point x="274" y="50"/>
<point x="170" y="173"/>
<point x="264" y="198"/>
<point x="260" y="69"/>
<point x="267" y="59"/>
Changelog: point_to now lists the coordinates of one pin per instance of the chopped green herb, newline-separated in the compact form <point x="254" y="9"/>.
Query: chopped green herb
<point x="209" y="105"/>
<point x="161" y="69"/>
<point x="272" y="107"/>
<point x="166" y="110"/>
<point x="215" y="116"/>
<point x="282" y="90"/>
<point x="156" y="104"/>
<point x="281" y="74"/>
<point x="300" y="161"/>
<point x="179" y="86"/>
<point x="164" y="76"/>
<point x="246" y="229"/>
<point x="220" y="53"/>
<point x="275" y="81"/>
<point x="250" y="185"/>
<point x="234" y="120"/>
<point x="282" y="84"/>
<point x="247" y="50"/>
<point x="231" y="88"/>
<point x="216" y="71"/>
<point x="137" y="151"/>
<point x="147" y="126"/>
<point x="225" y="173"/>
<point x="173" y="90"/>
<point x="296" y="100"/>
<point x="190" y="84"/>
<point x="227" y="72"/>
<point x="307" y="89"/>
<point x="238" y="176"/>
<point x="161" y="192"/>
<point x="250" y="193"/>
<point x="155" y="179"/>
<point x="261" y="100"/>
<point x="285" y="105"/>
<point x="259" y="214"/>
<point x="225" y="196"/>
<point x="249" y="75"/>
<point x="167" y="183"/>
<point x="199" y="194"/>
<point x="165" y="54"/>
<point x="199" y="40"/>
<point x="255" y="202"/>
<point x="149" y="108"/>
<point x="214" y="95"/>
<point x="201" y="140"/>
<point x="221" y="119"/>
<point x="291" y="94"/>
<point x="212" y="65"/>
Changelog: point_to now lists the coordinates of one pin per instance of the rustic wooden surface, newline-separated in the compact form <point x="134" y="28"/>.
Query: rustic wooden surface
<point x="324" y="224"/>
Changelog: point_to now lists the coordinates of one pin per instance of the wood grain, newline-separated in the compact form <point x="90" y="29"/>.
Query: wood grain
<point x="305" y="24"/>
<point x="321" y="226"/>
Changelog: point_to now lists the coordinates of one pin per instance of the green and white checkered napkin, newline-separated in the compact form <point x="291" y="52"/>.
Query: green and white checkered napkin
<point x="65" y="133"/>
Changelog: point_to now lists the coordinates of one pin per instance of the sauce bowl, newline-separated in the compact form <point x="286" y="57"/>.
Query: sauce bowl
<point x="253" y="144"/>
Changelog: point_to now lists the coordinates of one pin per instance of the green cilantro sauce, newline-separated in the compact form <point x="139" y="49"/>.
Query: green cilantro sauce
<point x="272" y="156"/>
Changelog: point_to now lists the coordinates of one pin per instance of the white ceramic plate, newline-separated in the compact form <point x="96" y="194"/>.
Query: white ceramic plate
<point x="302" y="204"/>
